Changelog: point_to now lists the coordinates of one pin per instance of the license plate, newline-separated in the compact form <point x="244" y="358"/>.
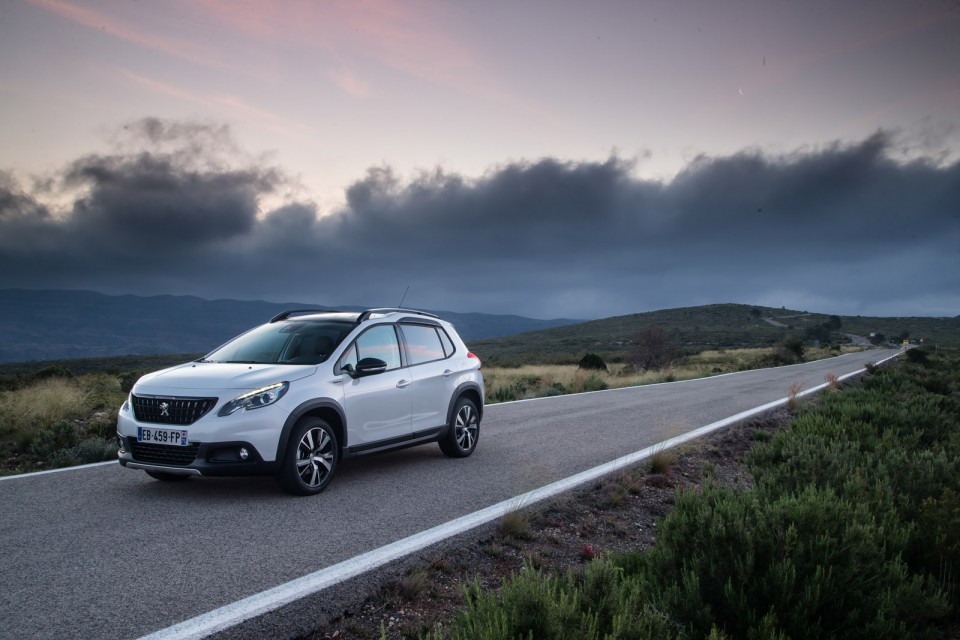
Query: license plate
<point x="175" y="437"/>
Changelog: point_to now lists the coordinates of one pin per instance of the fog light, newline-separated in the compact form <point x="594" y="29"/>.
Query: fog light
<point x="244" y="454"/>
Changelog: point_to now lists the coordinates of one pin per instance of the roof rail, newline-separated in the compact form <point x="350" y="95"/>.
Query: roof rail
<point x="283" y="315"/>
<point x="366" y="314"/>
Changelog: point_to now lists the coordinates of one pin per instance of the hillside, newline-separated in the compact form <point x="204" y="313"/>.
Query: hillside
<point x="60" y="324"/>
<point x="710" y="326"/>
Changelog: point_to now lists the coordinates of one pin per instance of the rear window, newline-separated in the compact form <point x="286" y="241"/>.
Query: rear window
<point x="424" y="343"/>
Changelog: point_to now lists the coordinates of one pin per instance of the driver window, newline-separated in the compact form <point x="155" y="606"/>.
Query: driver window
<point x="379" y="342"/>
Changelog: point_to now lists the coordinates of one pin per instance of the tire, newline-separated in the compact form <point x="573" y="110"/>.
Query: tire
<point x="167" y="477"/>
<point x="310" y="459"/>
<point x="464" y="430"/>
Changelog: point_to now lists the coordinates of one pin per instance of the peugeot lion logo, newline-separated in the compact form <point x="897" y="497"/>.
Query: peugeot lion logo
<point x="165" y="409"/>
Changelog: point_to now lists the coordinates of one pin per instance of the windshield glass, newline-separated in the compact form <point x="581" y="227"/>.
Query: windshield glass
<point x="288" y="342"/>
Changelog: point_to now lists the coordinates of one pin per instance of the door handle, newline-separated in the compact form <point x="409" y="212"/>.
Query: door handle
<point x="403" y="383"/>
<point x="447" y="373"/>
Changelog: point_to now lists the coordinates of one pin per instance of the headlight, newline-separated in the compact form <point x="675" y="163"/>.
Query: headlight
<point x="255" y="399"/>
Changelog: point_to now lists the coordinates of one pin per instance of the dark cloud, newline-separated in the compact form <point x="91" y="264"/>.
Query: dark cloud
<point x="843" y="229"/>
<point x="148" y="199"/>
<point x="17" y="205"/>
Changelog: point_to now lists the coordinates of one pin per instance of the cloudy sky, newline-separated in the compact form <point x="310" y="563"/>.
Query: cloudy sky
<point x="539" y="157"/>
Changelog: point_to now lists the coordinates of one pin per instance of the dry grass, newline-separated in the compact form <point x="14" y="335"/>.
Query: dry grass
<point x="662" y="462"/>
<point x="24" y="411"/>
<point x="537" y="381"/>
<point x="793" y="397"/>
<point x="541" y="380"/>
<point x="514" y="525"/>
<point x="833" y="383"/>
<point x="86" y="404"/>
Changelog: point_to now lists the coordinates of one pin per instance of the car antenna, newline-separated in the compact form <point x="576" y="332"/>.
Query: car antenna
<point x="404" y="297"/>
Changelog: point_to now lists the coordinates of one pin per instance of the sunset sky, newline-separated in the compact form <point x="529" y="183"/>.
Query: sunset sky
<point x="544" y="158"/>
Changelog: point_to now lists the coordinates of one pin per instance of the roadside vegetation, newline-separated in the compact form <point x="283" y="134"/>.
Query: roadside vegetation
<point x="51" y="418"/>
<point x="849" y="531"/>
<point x="592" y="373"/>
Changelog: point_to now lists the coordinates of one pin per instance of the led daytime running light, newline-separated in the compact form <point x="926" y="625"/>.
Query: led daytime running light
<point x="255" y="399"/>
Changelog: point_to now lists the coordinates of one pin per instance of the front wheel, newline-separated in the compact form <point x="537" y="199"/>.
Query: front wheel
<point x="464" y="431"/>
<point x="310" y="459"/>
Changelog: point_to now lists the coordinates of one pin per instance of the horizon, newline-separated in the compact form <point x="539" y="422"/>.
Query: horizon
<point x="475" y="311"/>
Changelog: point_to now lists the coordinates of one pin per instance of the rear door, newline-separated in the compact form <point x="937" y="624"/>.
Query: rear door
<point x="428" y="351"/>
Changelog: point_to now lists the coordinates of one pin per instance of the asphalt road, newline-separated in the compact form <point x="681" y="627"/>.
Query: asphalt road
<point x="106" y="552"/>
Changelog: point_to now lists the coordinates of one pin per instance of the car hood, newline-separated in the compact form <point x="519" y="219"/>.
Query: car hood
<point x="219" y="375"/>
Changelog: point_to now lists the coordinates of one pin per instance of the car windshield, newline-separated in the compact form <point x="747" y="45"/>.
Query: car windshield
<point x="289" y="342"/>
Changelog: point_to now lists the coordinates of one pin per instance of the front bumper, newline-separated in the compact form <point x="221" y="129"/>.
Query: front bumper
<point x="202" y="458"/>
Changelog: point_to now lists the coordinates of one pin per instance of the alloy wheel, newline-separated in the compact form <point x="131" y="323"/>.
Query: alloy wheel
<point x="315" y="457"/>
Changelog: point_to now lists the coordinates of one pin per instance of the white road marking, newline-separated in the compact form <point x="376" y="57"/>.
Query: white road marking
<point x="232" y="614"/>
<point x="61" y="470"/>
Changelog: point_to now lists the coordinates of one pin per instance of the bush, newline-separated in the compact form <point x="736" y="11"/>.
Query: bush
<point x="583" y="383"/>
<point x="600" y="603"/>
<point x="87" y="452"/>
<point x="651" y="348"/>
<point x="64" y="434"/>
<point x="127" y="379"/>
<point x="503" y="394"/>
<point x="804" y="565"/>
<point x="555" y="389"/>
<point x="938" y="542"/>
<point x="592" y="361"/>
<point x="792" y="348"/>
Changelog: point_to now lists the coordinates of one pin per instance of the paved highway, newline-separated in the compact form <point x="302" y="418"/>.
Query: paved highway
<point x="106" y="552"/>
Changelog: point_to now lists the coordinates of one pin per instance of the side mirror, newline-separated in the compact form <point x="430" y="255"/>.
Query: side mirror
<point x="369" y="367"/>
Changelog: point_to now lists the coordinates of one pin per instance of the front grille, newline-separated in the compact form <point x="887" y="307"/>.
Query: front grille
<point x="163" y="453"/>
<point x="178" y="411"/>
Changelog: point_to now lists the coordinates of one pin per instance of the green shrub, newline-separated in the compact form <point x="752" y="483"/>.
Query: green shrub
<point x="804" y="565"/>
<point x="583" y="383"/>
<point x="64" y="434"/>
<point x="794" y="347"/>
<point x="600" y="603"/>
<point x="508" y="393"/>
<point x="127" y="379"/>
<point x="938" y="542"/>
<point x="89" y="451"/>
<point x="555" y="389"/>
<point x="592" y="361"/>
<point x="51" y="372"/>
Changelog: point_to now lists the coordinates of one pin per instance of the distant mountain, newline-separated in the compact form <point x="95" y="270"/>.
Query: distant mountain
<point x="62" y="324"/>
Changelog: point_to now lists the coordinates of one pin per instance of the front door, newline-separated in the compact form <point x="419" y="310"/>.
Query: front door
<point x="378" y="407"/>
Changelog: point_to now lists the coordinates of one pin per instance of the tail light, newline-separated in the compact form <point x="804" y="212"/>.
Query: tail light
<point x="471" y="354"/>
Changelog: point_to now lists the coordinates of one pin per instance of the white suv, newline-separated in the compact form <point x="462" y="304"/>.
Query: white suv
<point x="294" y="396"/>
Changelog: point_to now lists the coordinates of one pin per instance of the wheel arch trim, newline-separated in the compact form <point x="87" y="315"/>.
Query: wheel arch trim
<point x="460" y="391"/>
<point x="340" y="430"/>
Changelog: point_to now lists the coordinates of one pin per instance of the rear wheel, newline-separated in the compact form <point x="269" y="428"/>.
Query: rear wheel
<point x="464" y="431"/>
<point x="167" y="477"/>
<point x="310" y="459"/>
